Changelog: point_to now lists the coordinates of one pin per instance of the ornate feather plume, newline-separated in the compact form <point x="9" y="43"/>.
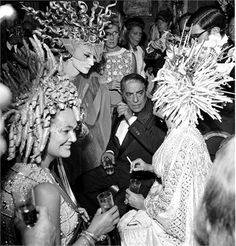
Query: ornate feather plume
<point x="190" y="82"/>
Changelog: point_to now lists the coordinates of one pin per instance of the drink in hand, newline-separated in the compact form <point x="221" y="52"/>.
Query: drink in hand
<point x="28" y="213"/>
<point x="105" y="200"/>
<point x="134" y="185"/>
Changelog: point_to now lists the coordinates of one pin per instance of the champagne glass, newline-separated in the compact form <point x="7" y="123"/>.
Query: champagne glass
<point x="24" y="205"/>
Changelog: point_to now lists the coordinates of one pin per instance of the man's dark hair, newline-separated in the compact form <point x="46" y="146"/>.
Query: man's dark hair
<point x="133" y="76"/>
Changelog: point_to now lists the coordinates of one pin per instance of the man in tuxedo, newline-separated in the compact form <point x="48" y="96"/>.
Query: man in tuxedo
<point x="136" y="133"/>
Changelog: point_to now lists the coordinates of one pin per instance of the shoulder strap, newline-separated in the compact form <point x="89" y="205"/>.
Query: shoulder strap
<point x="62" y="191"/>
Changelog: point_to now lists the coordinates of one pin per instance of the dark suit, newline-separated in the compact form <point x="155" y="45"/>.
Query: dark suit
<point x="144" y="136"/>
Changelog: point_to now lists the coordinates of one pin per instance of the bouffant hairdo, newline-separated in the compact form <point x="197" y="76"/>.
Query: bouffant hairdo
<point x="134" y="21"/>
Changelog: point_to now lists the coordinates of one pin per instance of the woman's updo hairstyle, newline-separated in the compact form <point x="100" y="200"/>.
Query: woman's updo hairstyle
<point x="207" y="18"/>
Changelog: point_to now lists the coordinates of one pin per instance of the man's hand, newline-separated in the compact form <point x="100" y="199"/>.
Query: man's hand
<point x="108" y="162"/>
<point x="115" y="85"/>
<point x="123" y="109"/>
<point x="41" y="234"/>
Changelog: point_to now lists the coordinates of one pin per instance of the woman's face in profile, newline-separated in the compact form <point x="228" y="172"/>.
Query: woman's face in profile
<point x="199" y="34"/>
<point x="162" y="25"/>
<point x="135" y="35"/>
<point x="82" y="58"/>
<point x="62" y="134"/>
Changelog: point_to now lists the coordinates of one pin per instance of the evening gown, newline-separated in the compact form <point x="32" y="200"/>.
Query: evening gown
<point x="22" y="178"/>
<point x="182" y="162"/>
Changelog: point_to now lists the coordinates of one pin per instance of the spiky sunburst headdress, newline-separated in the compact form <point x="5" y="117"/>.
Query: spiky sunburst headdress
<point x="191" y="82"/>
<point x="67" y="21"/>
<point x="48" y="93"/>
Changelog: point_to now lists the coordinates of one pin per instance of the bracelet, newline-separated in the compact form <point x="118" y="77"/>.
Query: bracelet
<point x="91" y="235"/>
<point x="90" y="238"/>
<point x="87" y="241"/>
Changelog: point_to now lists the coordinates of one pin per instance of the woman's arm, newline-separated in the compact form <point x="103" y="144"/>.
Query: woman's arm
<point x="102" y="223"/>
<point x="140" y="165"/>
<point x="47" y="195"/>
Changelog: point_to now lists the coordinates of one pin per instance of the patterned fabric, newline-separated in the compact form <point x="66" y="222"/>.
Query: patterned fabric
<point x="22" y="178"/>
<point x="118" y="64"/>
<point x="182" y="162"/>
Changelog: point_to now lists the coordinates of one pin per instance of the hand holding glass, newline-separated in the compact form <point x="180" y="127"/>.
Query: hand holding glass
<point x="25" y="207"/>
<point x="105" y="200"/>
<point x="108" y="165"/>
<point x="134" y="185"/>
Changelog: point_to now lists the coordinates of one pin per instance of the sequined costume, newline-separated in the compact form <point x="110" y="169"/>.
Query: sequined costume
<point x="182" y="162"/>
<point x="118" y="64"/>
<point x="21" y="178"/>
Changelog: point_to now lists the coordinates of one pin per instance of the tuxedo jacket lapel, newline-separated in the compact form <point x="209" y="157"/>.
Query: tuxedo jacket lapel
<point x="128" y="138"/>
<point x="115" y="125"/>
<point x="143" y="116"/>
<point x="126" y="142"/>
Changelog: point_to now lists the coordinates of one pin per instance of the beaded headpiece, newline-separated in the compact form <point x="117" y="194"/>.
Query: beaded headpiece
<point x="33" y="110"/>
<point x="191" y="81"/>
<point x="65" y="21"/>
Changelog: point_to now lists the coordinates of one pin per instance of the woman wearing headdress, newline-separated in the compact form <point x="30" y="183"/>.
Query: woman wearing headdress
<point x="208" y="27"/>
<point x="188" y="84"/>
<point x="42" y="129"/>
<point x="78" y="36"/>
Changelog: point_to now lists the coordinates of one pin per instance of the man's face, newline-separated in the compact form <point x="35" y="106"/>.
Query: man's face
<point x="134" y="94"/>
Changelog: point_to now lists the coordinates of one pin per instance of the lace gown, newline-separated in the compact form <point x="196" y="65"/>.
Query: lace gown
<point x="182" y="162"/>
<point x="22" y="178"/>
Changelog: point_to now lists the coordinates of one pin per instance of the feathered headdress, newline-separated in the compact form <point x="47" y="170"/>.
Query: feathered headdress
<point x="191" y="81"/>
<point x="65" y="21"/>
<point x="48" y="93"/>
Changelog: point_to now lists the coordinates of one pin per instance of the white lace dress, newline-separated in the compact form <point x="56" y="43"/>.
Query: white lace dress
<point x="182" y="162"/>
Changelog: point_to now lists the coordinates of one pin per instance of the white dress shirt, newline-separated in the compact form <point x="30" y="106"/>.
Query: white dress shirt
<point x="123" y="128"/>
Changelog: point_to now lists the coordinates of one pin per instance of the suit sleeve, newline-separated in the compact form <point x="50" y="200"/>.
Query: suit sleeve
<point x="148" y="133"/>
<point x="111" y="143"/>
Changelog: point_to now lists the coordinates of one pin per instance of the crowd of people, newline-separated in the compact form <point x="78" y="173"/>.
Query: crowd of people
<point x="93" y="107"/>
